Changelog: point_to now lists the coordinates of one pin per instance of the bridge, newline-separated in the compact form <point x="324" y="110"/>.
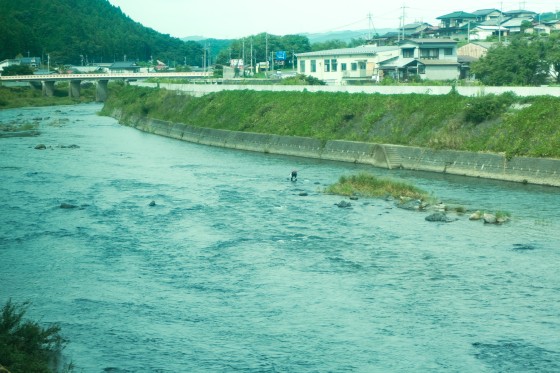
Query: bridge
<point x="48" y="80"/>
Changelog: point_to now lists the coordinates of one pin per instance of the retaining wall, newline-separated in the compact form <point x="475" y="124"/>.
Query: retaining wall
<point x="486" y="165"/>
<point x="204" y="89"/>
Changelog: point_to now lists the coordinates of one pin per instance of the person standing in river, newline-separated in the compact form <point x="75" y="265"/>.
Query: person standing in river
<point x="294" y="175"/>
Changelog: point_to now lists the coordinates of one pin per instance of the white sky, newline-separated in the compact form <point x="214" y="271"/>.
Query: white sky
<point x="233" y="19"/>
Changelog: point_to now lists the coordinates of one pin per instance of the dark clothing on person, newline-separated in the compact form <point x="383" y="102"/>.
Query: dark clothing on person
<point x="294" y="175"/>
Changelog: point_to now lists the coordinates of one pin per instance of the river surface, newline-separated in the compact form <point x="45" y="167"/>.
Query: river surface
<point x="237" y="269"/>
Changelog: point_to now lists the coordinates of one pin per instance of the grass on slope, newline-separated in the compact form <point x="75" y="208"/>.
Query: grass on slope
<point x="504" y="123"/>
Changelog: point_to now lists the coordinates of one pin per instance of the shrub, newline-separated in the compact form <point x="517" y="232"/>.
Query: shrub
<point x="25" y="346"/>
<point x="488" y="107"/>
<point x="368" y="185"/>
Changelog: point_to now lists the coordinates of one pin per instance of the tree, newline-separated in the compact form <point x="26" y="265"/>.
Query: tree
<point x="553" y="56"/>
<point x="17" y="70"/>
<point x="260" y="44"/>
<point x="330" y="44"/>
<point x="520" y="63"/>
<point x="96" y="30"/>
<point x="25" y="346"/>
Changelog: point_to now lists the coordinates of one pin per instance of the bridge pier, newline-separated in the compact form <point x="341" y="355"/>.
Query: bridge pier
<point x="48" y="88"/>
<point x="101" y="91"/>
<point x="74" y="89"/>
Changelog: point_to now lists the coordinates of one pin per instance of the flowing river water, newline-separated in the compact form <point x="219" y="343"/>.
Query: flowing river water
<point x="237" y="269"/>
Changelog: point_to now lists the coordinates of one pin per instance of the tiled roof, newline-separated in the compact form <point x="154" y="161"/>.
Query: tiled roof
<point x="123" y="64"/>
<point x="483" y="12"/>
<point x="431" y="41"/>
<point x="364" y="49"/>
<point x="459" y="14"/>
<point x="516" y="12"/>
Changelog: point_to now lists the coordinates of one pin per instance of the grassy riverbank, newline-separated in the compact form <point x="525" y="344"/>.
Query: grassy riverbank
<point x="14" y="97"/>
<point x="505" y="123"/>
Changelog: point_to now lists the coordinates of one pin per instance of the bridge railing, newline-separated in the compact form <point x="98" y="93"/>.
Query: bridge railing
<point x="107" y="76"/>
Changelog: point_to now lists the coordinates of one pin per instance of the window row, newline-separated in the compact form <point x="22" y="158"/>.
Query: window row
<point x="427" y="53"/>
<point x="331" y="65"/>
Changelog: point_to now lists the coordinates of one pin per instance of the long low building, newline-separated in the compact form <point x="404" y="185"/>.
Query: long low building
<point x="428" y="59"/>
<point x="338" y="66"/>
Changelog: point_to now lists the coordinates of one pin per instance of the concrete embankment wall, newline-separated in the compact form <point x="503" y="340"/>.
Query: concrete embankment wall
<point x="485" y="165"/>
<point x="198" y="90"/>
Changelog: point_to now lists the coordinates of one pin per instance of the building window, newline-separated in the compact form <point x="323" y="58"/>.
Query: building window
<point x="362" y="65"/>
<point x="354" y="66"/>
<point x="313" y="66"/>
<point x="429" y="53"/>
<point x="302" y="66"/>
<point x="334" y="64"/>
<point x="408" y="52"/>
<point x="421" y="69"/>
<point x="343" y="67"/>
<point x="448" y="51"/>
<point x="327" y="66"/>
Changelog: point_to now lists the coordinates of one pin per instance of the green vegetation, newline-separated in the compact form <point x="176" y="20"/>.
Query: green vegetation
<point x="13" y="97"/>
<point x="367" y="185"/>
<point x="504" y="123"/>
<point x="82" y="31"/>
<point x="523" y="62"/>
<point x="26" y="346"/>
<point x="302" y="80"/>
<point x="16" y="70"/>
<point x="260" y="44"/>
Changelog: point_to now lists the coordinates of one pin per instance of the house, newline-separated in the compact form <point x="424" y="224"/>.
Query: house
<point x="8" y="63"/>
<point x="483" y="15"/>
<point x="514" y="25"/>
<point x="429" y="59"/>
<point x="411" y="30"/>
<point x="456" y="23"/>
<point x="483" y="32"/>
<point x="338" y="66"/>
<point x="124" y="67"/>
<point x="547" y="27"/>
<point x="553" y="25"/>
<point x="456" y="19"/>
<point x="475" y="50"/>
<point x="520" y="14"/>
<point x="32" y="62"/>
<point x="417" y="30"/>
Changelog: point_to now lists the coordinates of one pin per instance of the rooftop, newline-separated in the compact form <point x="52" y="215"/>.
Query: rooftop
<point x="484" y="12"/>
<point x="430" y="41"/>
<point x="364" y="49"/>
<point x="458" y="14"/>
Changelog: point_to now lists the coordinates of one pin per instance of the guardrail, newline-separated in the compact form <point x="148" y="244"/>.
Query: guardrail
<point x="109" y="76"/>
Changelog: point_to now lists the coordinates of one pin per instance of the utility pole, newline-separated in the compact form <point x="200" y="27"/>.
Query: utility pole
<point x="370" y="22"/>
<point x="266" y="48"/>
<point x="403" y="15"/>
<point x="252" y="55"/>
<point x="500" y="25"/>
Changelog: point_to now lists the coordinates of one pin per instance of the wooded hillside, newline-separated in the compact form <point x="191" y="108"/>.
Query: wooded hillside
<point x="81" y="31"/>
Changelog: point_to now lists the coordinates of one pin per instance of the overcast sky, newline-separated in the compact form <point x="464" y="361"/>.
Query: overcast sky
<point x="233" y="19"/>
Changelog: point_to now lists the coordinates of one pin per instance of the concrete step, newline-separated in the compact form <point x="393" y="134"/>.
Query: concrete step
<point x="394" y="160"/>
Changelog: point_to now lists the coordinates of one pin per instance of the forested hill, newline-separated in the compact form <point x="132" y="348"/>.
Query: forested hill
<point x="94" y="29"/>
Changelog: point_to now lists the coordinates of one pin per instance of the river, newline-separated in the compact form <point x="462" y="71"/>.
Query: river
<point x="237" y="269"/>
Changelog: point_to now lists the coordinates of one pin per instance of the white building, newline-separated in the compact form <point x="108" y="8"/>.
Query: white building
<point x="484" y="32"/>
<point x="428" y="59"/>
<point x="338" y="66"/>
